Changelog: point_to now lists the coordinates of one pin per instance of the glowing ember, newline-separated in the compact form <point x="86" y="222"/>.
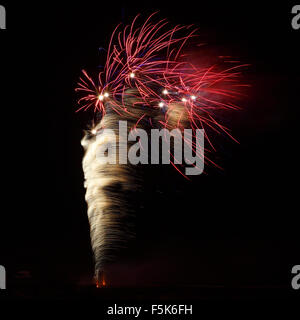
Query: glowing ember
<point x="100" y="281"/>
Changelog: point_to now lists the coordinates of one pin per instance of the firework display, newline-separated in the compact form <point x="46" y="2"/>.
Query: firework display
<point x="153" y="77"/>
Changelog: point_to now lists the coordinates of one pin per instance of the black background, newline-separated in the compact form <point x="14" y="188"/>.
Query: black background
<point x="234" y="227"/>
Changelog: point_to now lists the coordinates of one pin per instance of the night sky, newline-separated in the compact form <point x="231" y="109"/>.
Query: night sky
<point x="233" y="227"/>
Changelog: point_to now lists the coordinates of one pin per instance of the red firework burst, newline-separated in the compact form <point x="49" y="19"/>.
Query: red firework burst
<point x="151" y="59"/>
